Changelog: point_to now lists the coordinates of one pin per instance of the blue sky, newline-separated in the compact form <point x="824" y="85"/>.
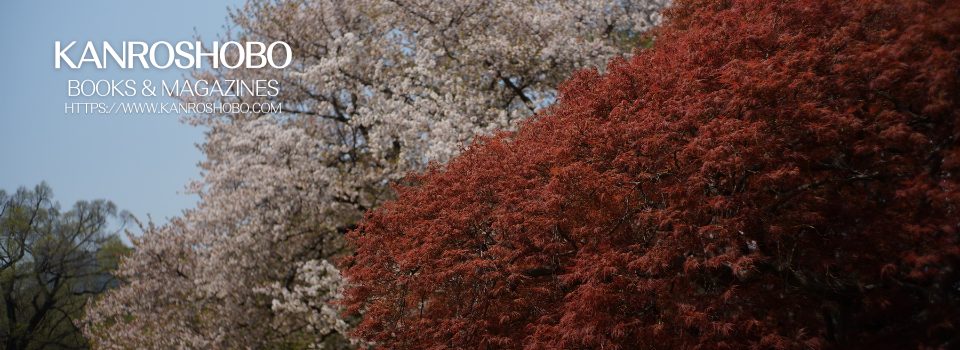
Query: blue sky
<point x="141" y="163"/>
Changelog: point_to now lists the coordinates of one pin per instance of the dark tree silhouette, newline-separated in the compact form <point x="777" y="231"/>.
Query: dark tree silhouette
<point x="51" y="263"/>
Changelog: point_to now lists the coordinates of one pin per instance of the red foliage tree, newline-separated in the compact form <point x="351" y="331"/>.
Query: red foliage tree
<point x="769" y="175"/>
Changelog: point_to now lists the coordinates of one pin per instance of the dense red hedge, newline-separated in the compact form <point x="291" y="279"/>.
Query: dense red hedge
<point x="770" y="174"/>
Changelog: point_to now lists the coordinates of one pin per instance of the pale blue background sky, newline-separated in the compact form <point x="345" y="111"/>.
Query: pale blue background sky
<point x="142" y="163"/>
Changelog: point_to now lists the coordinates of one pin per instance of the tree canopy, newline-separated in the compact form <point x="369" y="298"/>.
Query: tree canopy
<point x="768" y="175"/>
<point x="51" y="263"/>
<point x="377" y="88"/>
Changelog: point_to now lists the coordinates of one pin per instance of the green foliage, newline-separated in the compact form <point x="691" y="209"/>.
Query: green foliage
<point x="51" y="263"/>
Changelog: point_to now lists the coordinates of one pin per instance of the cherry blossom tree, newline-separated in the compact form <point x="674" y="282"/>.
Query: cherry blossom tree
<point x="244" y="267"/>
<point x="377" y="88"/>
